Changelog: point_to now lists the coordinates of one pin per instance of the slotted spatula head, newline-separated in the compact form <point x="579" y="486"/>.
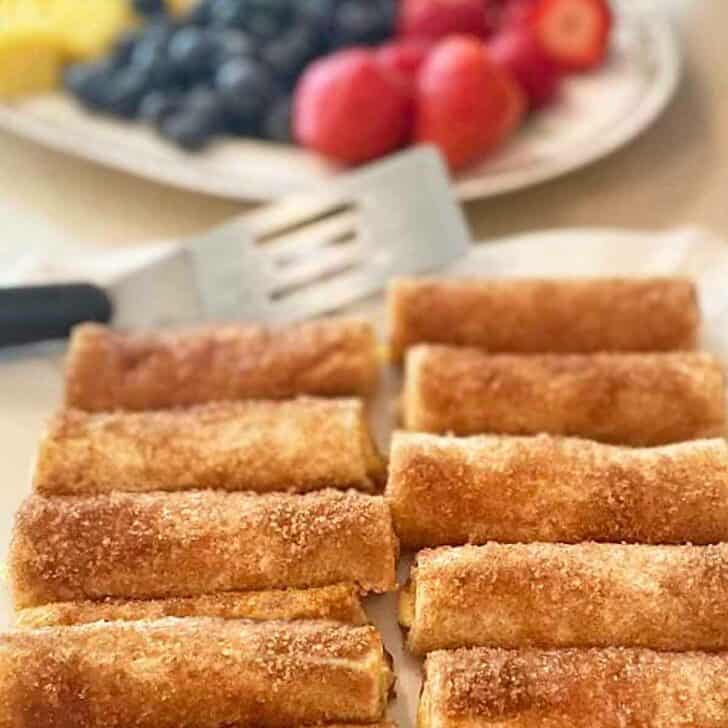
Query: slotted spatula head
<point x="308" y="254"/>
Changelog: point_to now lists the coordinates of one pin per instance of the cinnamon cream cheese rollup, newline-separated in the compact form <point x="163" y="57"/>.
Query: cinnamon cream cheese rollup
<point x="609" y="688"/>
<point x="197" y="673"/>
<point x="258" y="445"/>
<point x="339" y="603"/>
<point x="453" y="491"/>
<point x="161" y="545"/>
<point x="531" y="316"/>
<point x="107" y="370"/>
<point x="556" y="595"/>
<point x="627" y="399"/>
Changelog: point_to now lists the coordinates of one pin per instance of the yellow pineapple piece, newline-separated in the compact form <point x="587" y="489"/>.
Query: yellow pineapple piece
<point x="89" y="27"/>
<point x="31" y="59"/>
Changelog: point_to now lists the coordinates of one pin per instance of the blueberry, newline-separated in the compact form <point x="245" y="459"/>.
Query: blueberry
<point x="88" y="82"/>
<point x="190" y="51"/>
<point x="230" y="43"/>
<point x="201" y="13"/>
<point x="277" y="123"/>
<point x="246" y="88"/>
<point x="358" y="22"/>
<point x="187" y="130"/>
<point x="123" y="48"/>
<point x="152" y="44"/>
<point x="149" y="7"/>
<point x="228" y="13"/>
<point x="156" y="106"/>
<point x="125" y="91"/>
<point x="206" y="103"/>
<point x="288" y="55"/>
<point x="317" y="13"/>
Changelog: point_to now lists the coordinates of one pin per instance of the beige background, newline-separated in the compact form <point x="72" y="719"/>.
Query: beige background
<point x="674" y="174"/>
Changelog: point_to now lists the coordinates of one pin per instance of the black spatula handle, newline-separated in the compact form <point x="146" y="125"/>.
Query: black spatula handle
<point x="38" y="313"/>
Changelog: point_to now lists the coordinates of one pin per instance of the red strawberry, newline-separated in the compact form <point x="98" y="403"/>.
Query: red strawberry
<point x="575" y="33"/>
<point x="516" y="12"/>
<point x="404" y="59"/>
<point x="434" y="19"/>
<point x="466" y="104"/>
<point x="517" y="50"/>
<point x="347" y="107"/>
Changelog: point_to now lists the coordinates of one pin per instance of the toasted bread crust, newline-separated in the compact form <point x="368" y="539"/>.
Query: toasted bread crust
<point x="453" y="491"/>
<point x="558" y="596"/>
<point x="160" y="545"/>
<point x="106" y="370"/>
<point x="533" y="316"/>
<point x="258" y="445"/>
<point x="627" y="399"/>
<point x="339" y="603"/>
<point x="200" y="673"/>
<point x="600" y="688"/>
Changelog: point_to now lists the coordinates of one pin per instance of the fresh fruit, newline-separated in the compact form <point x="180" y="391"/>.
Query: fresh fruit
<point x="157" y="106"/>
<point x="515" y="12"/>
<point x="517" y="51"/>
<point x="467" y="105"/>
<point x="246" y="88"/>
<point x="574" y="33"/>
<point x="277" y="123"/>
<point x="149" y="7"/>
<point x="435" y="19"/>
<point x="349" y="108"/>
<point x="288" y="55"/>
<point x="30" y="60"/>
<point x="362" y="22"/>
<point x="86" y="33"/>
<point x="404" y="59"/>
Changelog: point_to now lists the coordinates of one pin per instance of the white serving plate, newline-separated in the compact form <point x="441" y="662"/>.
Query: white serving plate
<point x="597" y="114"/>
<point x="31" y="378"/>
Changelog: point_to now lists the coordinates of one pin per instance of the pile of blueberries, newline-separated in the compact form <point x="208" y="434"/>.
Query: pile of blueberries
<point x="227" y="67"/>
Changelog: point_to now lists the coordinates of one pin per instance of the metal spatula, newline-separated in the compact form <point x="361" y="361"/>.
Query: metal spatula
<point x="298" y="258"/>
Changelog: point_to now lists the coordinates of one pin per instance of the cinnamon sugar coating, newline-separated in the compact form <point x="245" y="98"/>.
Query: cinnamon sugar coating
<point x="556" y="595"/>
<point x="196" y="673"/>
<point x="627" y="399"/>
<point x="160" y="545"/>
<point x="595" y="688"/>
<point x="257" y="445"/>
<point x="453" y="491"/>
<point x="530" y="316"/>
<point x="339" y="603"/>
<point x="107" y="370"/>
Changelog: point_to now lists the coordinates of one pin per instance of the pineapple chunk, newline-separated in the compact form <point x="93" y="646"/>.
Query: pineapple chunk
<point x="30" y="60"/>
<point x="89" y="28"/>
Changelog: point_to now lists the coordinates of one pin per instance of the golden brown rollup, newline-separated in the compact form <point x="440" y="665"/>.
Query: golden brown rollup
<point x="453" y="491"/>
<point x="107" y="370"/>
<point x="197" y="673"/>
<point x="258" y="445"/>
<point x="160" y="545"/>
<point x="339" y="603"/>
<point x="610" y="688"/>
<point x="534" y="316"/>
<point x="556" y="595"/>
<point x="627" y="399"/>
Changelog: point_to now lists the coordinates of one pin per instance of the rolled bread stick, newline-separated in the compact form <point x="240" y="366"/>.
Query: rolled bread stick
<point x="197" y="673"/>
<point x="339" y="603"/>
<point x="454" y="491"/>
<point x="626" y="399"/>
<point x="161" y="545"/>
<point x="557" y="596"/>
<point x="532" y="316"/>
<point x="107" y="370"/>
<point x="599" y="688"/>
<point x="257" y="445"/>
